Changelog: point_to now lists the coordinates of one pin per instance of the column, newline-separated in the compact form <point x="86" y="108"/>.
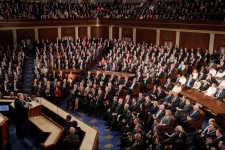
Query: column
<point x="76" y="32"/>
<point x="110" y="32"/>
<point x="120" y="33"/>
<point x="134" y="34"/>
<point x="14" y="37"/>
<point x="211" y="42"/>
<point x="177" y="38"/>
<point x="88" y="32"/>
<point x="36" y="34"/>
<point x="157" y="36"/>
<point x="59" y="33"/>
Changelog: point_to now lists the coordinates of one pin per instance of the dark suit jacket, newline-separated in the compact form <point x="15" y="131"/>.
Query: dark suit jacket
<point x="204" y="87"/>
<point x="20" y="110"/>
<point x="120" y="93"/>
<point x="220" y="95"/>
<point x="191" y="82"/>
<point x="161" y="114"/>
<point x="135" y="85"/>
<point x="71" y="138"/>
<point x="194" y="116"/>
<point x="168" y="86"/>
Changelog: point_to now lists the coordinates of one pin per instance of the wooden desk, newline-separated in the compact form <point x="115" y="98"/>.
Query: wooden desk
<point x="213" y="104"/>
<point x="47" y="126"/>
<point x="44" y="123"/>
<point x="4" y="131"/>
<point x="67" y="71"/>
<point x="116" y="74"/>
<point x="90" y="141"/>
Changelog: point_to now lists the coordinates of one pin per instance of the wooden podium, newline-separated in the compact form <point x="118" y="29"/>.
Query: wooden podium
<point x="4" y="131"/>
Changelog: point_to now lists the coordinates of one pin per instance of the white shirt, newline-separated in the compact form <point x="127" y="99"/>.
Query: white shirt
<point x="197" y="85"/>
<point x="212" y="71"/>
<point x="211" y="91"/>
<point x="219" y="74"/>
<point x="176" y="89"/>
<point x="195" y="75"/>
<point x="182" y="80"/>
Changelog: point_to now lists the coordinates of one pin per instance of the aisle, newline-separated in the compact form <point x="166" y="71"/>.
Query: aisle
<point x="107" y="139"/>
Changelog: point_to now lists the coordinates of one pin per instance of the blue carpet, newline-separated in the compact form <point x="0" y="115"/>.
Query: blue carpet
<point x="27" y="143"/>
<point x="107" y="139"/>
<point x="27" y="79"/>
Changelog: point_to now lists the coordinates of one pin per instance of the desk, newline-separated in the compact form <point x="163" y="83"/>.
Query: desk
<point x="67" y="71"/>
<point x="4" y="131"/>
<point x="90" y="141"/>
<point x="47" y="126"/>
<point x="116" y="74"/>
<point x="91" y="135"/>
<point x="213" y="104"/>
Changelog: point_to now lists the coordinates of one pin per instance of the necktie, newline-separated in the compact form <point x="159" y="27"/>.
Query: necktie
<point x="157" y="114"/>
<point x="192" y="113"/>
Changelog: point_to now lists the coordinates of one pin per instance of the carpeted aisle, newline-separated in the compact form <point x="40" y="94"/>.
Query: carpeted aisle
<point x="27" y="79"/>
<point x="107" y="139"/>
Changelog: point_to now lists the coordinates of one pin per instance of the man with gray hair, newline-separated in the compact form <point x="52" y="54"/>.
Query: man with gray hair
<point x="72" y="137"/>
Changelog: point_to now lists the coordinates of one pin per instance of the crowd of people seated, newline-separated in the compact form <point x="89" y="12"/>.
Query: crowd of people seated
<point x="63" y="54"/>
<point x="166" y="10"/>
<point x="11" y="69"/>
<point x="142" y="119"/>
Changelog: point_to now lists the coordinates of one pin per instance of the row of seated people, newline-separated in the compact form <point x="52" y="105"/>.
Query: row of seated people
<point x="67" y="53"/>
<point x="159" y="61"/>
<point x="169" y="10"/>
<point x="11" y="69"/>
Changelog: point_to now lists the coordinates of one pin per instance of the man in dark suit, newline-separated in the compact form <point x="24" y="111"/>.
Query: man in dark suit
<point x="98" y="102"/>
<point x="190" y="81"/>
<point x="167" y="99"/>
<point x="204" y="86"/>
<point x="220" y="94"/>
<point x="200" y="136"/>
<point x="126" y="84"/>
<point x="113" y="118"/>
<point x="120" y="91"/>
<point x="168" y="85"/>
<point x="133" y="86"/>
<point x="21" y="108"/>
<point x="140" y="99"/>
<point x="202" y="76"/>
<point x="160" y="94"/>
<point x="174" y="102"/>
<point x="70" y="140"/>
<point x="193" y="115"/>
<point x="139" y="77"/>
<point x="146" y="81"/>
<point x="119" y="81"/>
<point x="181" y="112"/>
<point x="213" y="144"/>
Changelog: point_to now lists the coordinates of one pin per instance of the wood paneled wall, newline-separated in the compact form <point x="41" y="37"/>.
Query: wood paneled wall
<point x="115" y="33"/>
<point x="48" y="33"/>
<point x="219" y="41"/>
<point x="146" y="35"/>
<point x="127" y="33"/>
<point x="194" y="40"/>
<point x="167" y="36"/>
<point x="68" y="31"/>
<point x="82" y="32"/>
<point x="24" y="34"/>
<point x="6" y="37"/>
<point x="100" y="31"/>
